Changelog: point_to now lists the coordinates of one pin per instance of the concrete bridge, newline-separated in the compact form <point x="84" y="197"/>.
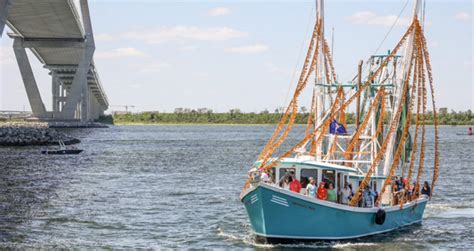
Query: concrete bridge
<point x="59" y="33"/>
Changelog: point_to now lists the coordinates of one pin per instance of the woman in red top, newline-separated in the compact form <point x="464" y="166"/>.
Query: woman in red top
<point x="322" y="192"/>
<point x="295" y="185"/>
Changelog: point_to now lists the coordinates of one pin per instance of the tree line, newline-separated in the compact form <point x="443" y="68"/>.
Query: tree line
<point x="236" y="116"/>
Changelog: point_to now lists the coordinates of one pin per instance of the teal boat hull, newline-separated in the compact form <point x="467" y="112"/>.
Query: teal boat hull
<point x="282" y="214"/>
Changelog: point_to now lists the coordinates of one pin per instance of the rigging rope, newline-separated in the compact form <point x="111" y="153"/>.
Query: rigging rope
<point x="293" y="104"/>
<point x="266" y="151"/>
<point x="435" y="112"/>
<point x="355" y="199"/>
<point x="418" y="81"/>
<point x="388" y="32"/>
<point x="406" y="128"/>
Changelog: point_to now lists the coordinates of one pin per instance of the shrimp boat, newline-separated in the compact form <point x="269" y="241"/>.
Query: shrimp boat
<point x="388" y="141"/>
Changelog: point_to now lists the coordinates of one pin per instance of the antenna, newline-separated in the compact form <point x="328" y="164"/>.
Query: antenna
<point x="332" y="44"/>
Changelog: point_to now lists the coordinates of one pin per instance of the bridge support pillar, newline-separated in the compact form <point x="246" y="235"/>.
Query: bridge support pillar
<point x="4" y="8"/>
<point x="78" y="98"/>
<point x="94" y="108"/>
<point x="56" y="86"/>
<point x="34" y="96"/>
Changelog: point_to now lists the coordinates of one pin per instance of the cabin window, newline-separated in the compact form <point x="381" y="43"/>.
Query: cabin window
<point x="285" y="171"/>
<point x="305" y="174"/>
<point x="329" y="176"/>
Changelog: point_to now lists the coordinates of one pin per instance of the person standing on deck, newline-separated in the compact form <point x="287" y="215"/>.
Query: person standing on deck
<point x="264" y="176"/>
<point x="345" y="194"/>
<point x="414" y="193"/>
<point x="295" y="185"/>
<point x="368" y="197"/>
<point x="331" y="193"/>
<point x="426" y="190"/>
<point x="322" y="192"/>
<point x="286" y="183"/>
<point x="311" y="188"/>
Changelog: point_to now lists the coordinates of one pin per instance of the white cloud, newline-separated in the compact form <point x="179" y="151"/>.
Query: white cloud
<point x="463" y="16"/>
<point x="271" y="67"/>
<point x="154" y="68"/>
<point x="104" y="37"/>
<point x="203" y="75"/>
<point x="250" y="49"/>
<point x="188" y="48"/>
<point x="120" y="53"/>
<point x="220" y="11"/>
<point x="185" y="33"/>
<point x="135" y="86"/>
<point x="370" y="18"/>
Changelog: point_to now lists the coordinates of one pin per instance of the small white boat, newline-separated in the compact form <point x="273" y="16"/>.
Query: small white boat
<point x="62" y="150"/>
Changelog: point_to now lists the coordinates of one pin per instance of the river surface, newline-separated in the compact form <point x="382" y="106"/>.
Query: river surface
<point x="178" y="187"/>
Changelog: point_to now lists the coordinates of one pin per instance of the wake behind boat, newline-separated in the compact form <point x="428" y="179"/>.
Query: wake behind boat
<point x="62" y="150"/>
<point x="336" y="184"/>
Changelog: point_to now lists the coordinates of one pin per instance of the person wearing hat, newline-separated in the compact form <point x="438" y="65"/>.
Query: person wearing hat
<point x="322" y="192"/>
<point x="311" y="188"/>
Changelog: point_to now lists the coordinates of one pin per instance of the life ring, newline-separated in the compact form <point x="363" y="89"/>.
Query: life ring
<point x="380" y="217"/>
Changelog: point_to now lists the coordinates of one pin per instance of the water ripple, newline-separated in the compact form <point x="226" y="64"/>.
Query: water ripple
<point x="171" y="187"/>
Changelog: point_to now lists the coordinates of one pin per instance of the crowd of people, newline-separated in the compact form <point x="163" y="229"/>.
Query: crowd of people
<point x="323" y="191"/>
<point x="398" y="189"/>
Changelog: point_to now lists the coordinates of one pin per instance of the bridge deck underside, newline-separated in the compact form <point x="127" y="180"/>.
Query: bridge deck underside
<point x="45" y="19"/>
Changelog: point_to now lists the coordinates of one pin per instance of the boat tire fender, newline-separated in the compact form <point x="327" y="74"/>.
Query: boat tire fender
<point x="380" y="217"/>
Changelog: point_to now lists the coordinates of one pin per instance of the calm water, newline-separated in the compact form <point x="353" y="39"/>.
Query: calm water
<point x="178" y="186"/>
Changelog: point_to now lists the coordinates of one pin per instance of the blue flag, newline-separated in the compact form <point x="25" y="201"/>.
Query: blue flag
<point x="337" y="128"/>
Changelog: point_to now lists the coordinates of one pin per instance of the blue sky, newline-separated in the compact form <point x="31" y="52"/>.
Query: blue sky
<point x="159" y="55"/>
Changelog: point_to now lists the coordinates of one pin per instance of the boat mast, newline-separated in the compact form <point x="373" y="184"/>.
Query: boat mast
<point x="399" y="88"/>
<point x="359" y="83"/>
<point x="319" y="89"/>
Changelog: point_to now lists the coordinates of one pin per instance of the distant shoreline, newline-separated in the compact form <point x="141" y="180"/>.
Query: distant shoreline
<point x="189" y="124"/>
<point x="229" y="124"/>
<point x="236" y="117"/>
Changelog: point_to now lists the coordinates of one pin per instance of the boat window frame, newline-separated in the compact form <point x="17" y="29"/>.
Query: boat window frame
<point x="316" y="178"/>
<point x="334" y="176"/>
<point x="277" y="181"/>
